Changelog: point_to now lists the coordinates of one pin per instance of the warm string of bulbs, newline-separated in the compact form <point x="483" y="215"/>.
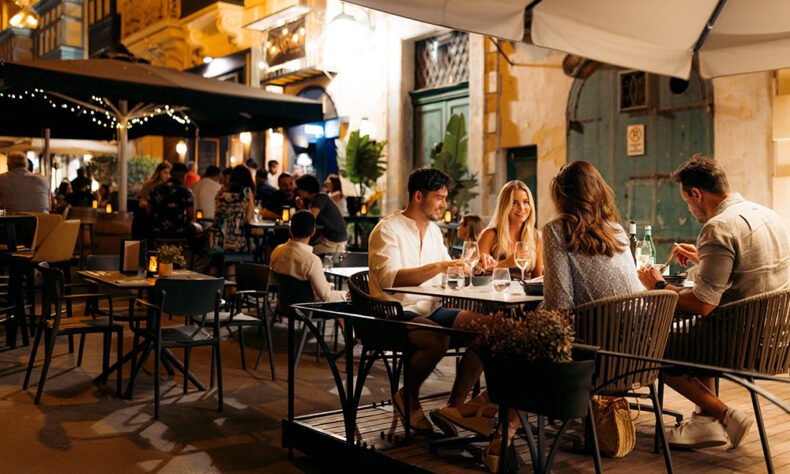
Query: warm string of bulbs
<point x="105" y="119"/>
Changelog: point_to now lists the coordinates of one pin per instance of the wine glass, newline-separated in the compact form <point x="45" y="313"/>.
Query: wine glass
<point x="455" y="278"/>
<point x="500" y="279"/>
<point x="470" y="254"/>
<point x="523" y="256"/>
<point x="644" y="253"/>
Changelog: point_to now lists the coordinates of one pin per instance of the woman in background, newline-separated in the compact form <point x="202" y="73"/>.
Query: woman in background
<point x="470" y="228"/>
<point x="335" y="190"/>
<point x="160" y="176"/>
<point x="233" y="209"/>
<point x="513" y="221"/>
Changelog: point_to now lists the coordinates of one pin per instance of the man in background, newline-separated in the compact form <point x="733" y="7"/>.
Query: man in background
<point x="333" y="236"/>
<point x="21" y="190"/>
<point x="192" y="176"/>
<point x="284" y="197"/>
<point x="205" y="191"/>
<point x="274" y="172"/>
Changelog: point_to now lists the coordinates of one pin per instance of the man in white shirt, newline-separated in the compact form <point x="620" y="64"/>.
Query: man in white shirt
<point x="273" y="168"/>
<point x="205" y="192"/>
<point x="295" y="258"/>
<point x="407" y="249"/>
<point x="21" y="190"/>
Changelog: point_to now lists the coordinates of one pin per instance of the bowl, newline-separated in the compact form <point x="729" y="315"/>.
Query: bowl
<point x="478" y="280"/>
<point x="533" y="288"/>
<point x="675" y="280"/>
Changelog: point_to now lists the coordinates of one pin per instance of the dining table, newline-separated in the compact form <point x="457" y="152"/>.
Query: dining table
<point x="143" y="284"/>
<point x="513" y="296"/>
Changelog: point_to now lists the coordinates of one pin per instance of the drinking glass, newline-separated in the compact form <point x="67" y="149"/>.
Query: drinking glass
<point x="523" y="256"/>
<point x="500" y="279"/>
<point x="455" y="278"/>
<point x="329" y="261"/>
<point x="644" y="253"/>
<point x="470" y="254"/>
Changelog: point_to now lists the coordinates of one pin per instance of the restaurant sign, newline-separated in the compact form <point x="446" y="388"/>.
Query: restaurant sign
<point x="636" y="140"/>
<point x="286" y="42"/>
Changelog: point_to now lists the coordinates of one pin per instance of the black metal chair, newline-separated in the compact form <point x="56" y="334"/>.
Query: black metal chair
<point x="53" y="324"/>
<point x="252" y="285"/>
<point x="292" y="291"/>
<point x="194" y="300"/>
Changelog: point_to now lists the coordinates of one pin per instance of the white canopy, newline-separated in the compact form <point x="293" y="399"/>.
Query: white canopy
<point x="656" y="36"/>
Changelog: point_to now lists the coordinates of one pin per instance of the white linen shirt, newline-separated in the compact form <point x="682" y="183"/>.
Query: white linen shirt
<point x="205" y="192"/>
<point x="297" y="260"/>
<point x="395" y="245"/>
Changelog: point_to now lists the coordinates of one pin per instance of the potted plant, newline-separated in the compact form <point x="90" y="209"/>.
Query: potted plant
<point x="169" y="255"/>
<point x="361" y="160"/>
<point x="531" y="365"/>
<point x="450" y="156"/>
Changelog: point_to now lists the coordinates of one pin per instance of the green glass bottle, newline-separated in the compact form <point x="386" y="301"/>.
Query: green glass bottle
<point x="649" y="238"/>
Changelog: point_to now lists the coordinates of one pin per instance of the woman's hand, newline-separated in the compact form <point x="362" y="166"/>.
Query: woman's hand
<point x="485" y="263"/>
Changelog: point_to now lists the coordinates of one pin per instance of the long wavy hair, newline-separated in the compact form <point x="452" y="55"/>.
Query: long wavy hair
<point x="587" y="212"/>
<point x="501" y="220"/>
<point x="158" y="172"/>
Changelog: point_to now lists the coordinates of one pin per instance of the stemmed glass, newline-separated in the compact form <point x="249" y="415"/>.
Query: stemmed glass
<point x="523" y="256"/>
<point x="455" y="278"/>
<point x="500" y="279"/>
<point x="470" y="254"/>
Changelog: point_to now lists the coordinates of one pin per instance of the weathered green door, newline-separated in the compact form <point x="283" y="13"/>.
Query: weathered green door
<point x="677" y="124"/>
<point x="432" y="110"/>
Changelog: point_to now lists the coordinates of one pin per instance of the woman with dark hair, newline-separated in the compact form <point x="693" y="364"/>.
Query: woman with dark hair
<point x="160" y="176"/>
<point x="586" y="253"/>
<point x="60" y="197"/>
<point x="233" y="209"/>
<point x="335" y="190"/>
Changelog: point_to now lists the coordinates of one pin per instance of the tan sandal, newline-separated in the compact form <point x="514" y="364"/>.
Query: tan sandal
<point x="491" y="460"/>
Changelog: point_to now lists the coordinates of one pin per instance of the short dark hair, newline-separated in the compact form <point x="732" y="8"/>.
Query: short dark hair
<point x="308" y="183"/>
<point x="251" y="164"/>
<point x="282" y="177"/>
<point x="178" y="170"/>
<point x="211" y="171"/>
<point x="272" y="162"/>
<point x="227" y="171"/>
<point x="701" y="172"/>
<point x="302" y="224"/>
<point x="426" y="180"/>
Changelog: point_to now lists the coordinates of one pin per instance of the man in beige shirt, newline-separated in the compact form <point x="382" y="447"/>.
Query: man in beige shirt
<point x="295" y="258"/>
<point x="742" y="250"/>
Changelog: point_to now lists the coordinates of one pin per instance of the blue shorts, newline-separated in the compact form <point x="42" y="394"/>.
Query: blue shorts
<point x="442" y="316"/>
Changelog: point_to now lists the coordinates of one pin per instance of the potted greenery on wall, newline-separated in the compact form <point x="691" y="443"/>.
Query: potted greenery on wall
<point x="104" y="169"/>
<point x="450" y="156"/>
<point x="361" y="160"/>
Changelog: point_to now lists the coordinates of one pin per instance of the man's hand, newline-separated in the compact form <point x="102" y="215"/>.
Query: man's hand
<point x="649" y="275"/>
<point x="299" y="203"/>
<point x="455" y="263"/>
<point x="685" y="254"/>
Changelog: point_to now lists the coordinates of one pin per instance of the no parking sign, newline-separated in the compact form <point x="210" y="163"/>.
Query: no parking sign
<point x="636" y="140"/>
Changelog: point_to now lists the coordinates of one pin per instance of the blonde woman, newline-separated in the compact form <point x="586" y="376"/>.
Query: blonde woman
<point x="513" y="221"/>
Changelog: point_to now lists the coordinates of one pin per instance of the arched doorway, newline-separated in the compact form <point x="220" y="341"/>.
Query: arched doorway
<point x="678" y="122"/>
<point x="315" y="141"/>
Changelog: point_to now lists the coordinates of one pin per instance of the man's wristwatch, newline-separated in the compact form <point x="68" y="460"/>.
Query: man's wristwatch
<point x="660" y="285"/>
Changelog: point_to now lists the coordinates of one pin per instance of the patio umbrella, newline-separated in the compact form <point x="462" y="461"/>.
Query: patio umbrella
<point x="106" y="99"/>
<point x="726" y="36"/>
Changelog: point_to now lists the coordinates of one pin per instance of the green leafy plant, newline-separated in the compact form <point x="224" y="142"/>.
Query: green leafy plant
<point x="539" y="336"/>
<point x="361" y="160"/>
<point x="171" y="254"/>
<point x="450" y="156"/>
<point x="103" y="169"/>
<point x="139" y="168"/>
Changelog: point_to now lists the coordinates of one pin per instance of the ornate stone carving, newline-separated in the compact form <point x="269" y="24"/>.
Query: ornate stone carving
<point x="136" y="15"/>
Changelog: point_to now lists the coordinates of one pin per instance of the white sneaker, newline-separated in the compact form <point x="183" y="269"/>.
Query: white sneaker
<point x="736" y="424"/>
<point x="697" y="432"/>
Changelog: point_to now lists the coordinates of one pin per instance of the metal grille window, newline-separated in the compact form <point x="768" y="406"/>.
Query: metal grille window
<point x="442" y="60"/>
<point x="633" y="90"/>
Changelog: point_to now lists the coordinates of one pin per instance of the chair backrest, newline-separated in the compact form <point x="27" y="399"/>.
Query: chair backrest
<point x="46" y="223"/>
<point x="188" y="297"/>
<point x="83" y="214"/>
<point x="352" y="259"/>
<point x="18" y="231"/>
<point x="637" y="323"/>
<point x="59" y="244"/>
<point x="53" y="288"/>
<point x="108" y="263"/>
<point x="373" y="335"/>
<point x="253" y="276"/>
<point x="750" y="334"/>
<point x="291" y="290"/>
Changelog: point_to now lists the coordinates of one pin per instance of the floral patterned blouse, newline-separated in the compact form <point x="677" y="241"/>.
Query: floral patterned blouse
<point x="230" y="219"/>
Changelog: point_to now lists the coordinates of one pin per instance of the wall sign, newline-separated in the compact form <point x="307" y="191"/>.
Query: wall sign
<point x="286" y="42"/>
<point x="635" y="142"/>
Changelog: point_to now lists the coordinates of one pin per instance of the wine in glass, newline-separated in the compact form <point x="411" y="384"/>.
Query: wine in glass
<point x="500" y="279"/>
<point x="471" y="254"/>
<point x="523" y="256"/>
<point x="455" y="278"/>
<point x="644" y="253"/>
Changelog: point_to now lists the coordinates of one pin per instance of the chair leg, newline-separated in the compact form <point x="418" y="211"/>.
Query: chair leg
<point x="240" y="330"/>
<point x="305" y="330"/>
<point x="81" y="349"/>
<point x="32" y="358"/>
<point x="213" y="365"/>
<point x="105" y="354"/>
<point x="71" y="344"/>
<point x="267" y="326"/>
<point x="53" y="334"/>
<point x="594" y="435"/>
<point x="219" y="375"/>
<point x="758" y="414"/>
<point x="660" y="425"/>
<point x="187" y="353"/>
<point x="118" y="357"/>
<point x="157" y="358"/>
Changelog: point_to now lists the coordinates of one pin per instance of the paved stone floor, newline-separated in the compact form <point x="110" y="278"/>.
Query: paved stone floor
<point x="83" y="427"/>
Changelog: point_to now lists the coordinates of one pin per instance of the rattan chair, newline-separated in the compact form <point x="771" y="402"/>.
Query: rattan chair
<point x="637" y="324"/>
<point x="751" y="335"/>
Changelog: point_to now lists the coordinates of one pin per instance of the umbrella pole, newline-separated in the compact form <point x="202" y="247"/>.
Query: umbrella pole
<point x="44" y="158"/>
<point x="123" y="143"/>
